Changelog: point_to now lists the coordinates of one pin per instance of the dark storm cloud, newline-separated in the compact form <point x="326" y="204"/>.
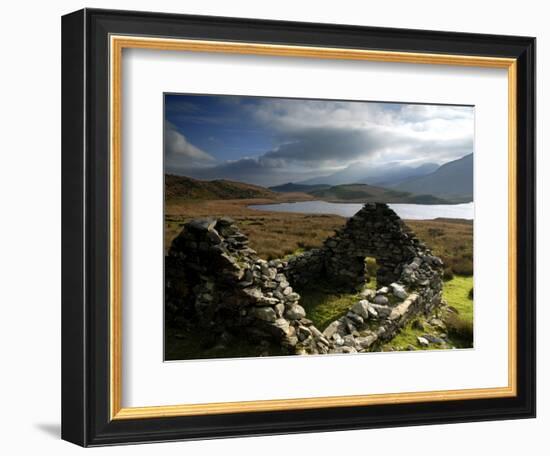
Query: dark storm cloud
<point x="327" y="146"/>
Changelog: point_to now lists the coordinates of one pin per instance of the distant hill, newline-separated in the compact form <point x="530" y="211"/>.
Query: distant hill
<point x="379" y="175"/>
<point x="453" y="181"/>
<point x="186" y="188"/>
<point x="363" y="193"/>
<point x="291" y="188"/>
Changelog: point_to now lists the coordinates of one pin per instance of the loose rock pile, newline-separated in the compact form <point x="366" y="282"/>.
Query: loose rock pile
<point x="215" y="280"/>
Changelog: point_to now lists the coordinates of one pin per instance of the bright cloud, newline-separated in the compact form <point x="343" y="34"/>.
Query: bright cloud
<point x="179" y="150"/>
<point x="281" y="140"/>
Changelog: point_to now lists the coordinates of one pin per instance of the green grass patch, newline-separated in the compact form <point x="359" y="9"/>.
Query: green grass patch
<point x="323" y="306"/>
<point x="456" y="293"/>
<point x="460" y="326"/>
<point x="408" y="336"/>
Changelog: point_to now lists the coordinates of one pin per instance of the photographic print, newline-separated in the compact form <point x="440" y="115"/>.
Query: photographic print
<point x="309" y="227"/>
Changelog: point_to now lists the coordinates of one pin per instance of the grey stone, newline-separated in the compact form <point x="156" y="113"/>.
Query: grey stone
<point x="334" y="327"/>
<point x="338" y="340"/>
<point x="267" y="301"/>
<point x="400" y="310"/>
<point x="292" y="297"/>
<point x="283" y="325"/>
<point x="295" y="312"/>
<point x="303" y="333"/>
<point x="279" y="309"/>
<point x="254" y="293"/>
<point x="398" y="291"/>
<point x="277" y="294"/>
<point x="382" y="291"/>
<point x="357" y="320"/>
<point x="433" y="339"/>
<point x="361" y="308"/>
<point x="265" y="313"/>
<point x="372" y="312"/>
<point x="201" y="224"/>
<point x="283" y="285"/>
<point x="366" y="342"/>
<point x="381" y="299"/>
<point x="423" y="342"/>
<point x="381" y="310"/>
<point x="368" y="294"/>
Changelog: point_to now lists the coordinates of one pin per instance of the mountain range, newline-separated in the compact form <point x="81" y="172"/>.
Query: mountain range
<point x="452" y="181"/>
<point x="448" y="183"/>
<point x="382" y="175"/>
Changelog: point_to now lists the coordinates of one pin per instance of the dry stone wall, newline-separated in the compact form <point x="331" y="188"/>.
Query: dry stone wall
<point x="216" y="281"/>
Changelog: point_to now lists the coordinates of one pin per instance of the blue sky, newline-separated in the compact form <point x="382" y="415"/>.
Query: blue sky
<point x="269" y="141"/>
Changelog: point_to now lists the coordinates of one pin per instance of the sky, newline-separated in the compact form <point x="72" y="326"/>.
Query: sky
<point x="271" y="141"/>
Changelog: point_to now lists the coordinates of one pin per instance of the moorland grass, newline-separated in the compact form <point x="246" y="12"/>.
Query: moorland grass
<point x="278" y="234"/>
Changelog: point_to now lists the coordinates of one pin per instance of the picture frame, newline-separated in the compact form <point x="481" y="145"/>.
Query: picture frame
<point x="92" y="45"/>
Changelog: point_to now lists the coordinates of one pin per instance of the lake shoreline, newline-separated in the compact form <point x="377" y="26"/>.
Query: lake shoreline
<point x="463" y="211"/>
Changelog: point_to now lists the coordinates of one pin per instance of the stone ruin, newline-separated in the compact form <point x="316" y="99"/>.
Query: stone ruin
<point x="216" y="281"/>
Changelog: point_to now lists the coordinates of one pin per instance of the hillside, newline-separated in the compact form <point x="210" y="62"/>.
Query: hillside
<point x="363" y="193"/>
<point x="452" y="181"/>
<point x="186" y="188"/>
<point x="291" y="188"/>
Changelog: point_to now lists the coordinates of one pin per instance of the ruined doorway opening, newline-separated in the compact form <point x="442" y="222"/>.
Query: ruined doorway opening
<point x="371" y="270"/>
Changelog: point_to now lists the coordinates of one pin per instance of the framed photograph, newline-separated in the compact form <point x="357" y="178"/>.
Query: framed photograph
<point x="278" y="227"/>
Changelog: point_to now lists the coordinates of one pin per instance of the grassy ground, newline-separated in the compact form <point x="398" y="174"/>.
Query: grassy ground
<point x="450" y="239"/>
<point x="323" y="306"/>
<point x="271" y="234"/>
<point x="277" y="234"/>
<point x="459" y="326"/>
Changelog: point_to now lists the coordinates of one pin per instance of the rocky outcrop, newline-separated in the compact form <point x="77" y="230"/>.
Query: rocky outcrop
<point x="215" y="280"/>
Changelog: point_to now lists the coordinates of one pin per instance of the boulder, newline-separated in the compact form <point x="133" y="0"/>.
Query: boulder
<point x="422" y="341"/>
<point x="295" y="312"/>
<point x="381" y="299"/>
<point x="398" y="290"/>
<point x="361" y="308"/>
<point x="265" y="314"/>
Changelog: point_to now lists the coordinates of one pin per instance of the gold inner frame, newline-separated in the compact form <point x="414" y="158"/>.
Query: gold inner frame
<point x="117" y="44"/>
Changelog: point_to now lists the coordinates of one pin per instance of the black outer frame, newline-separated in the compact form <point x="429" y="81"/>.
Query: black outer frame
<point x="85" y="227"/>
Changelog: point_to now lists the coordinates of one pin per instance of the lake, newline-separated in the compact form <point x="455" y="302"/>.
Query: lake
<point x="405" y="211"/>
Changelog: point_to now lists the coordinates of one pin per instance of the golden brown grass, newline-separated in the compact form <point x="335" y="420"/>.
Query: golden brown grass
<point x="271" y="234"/>
<point x="277" y="234"/>
<point x="452" y="240"/>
